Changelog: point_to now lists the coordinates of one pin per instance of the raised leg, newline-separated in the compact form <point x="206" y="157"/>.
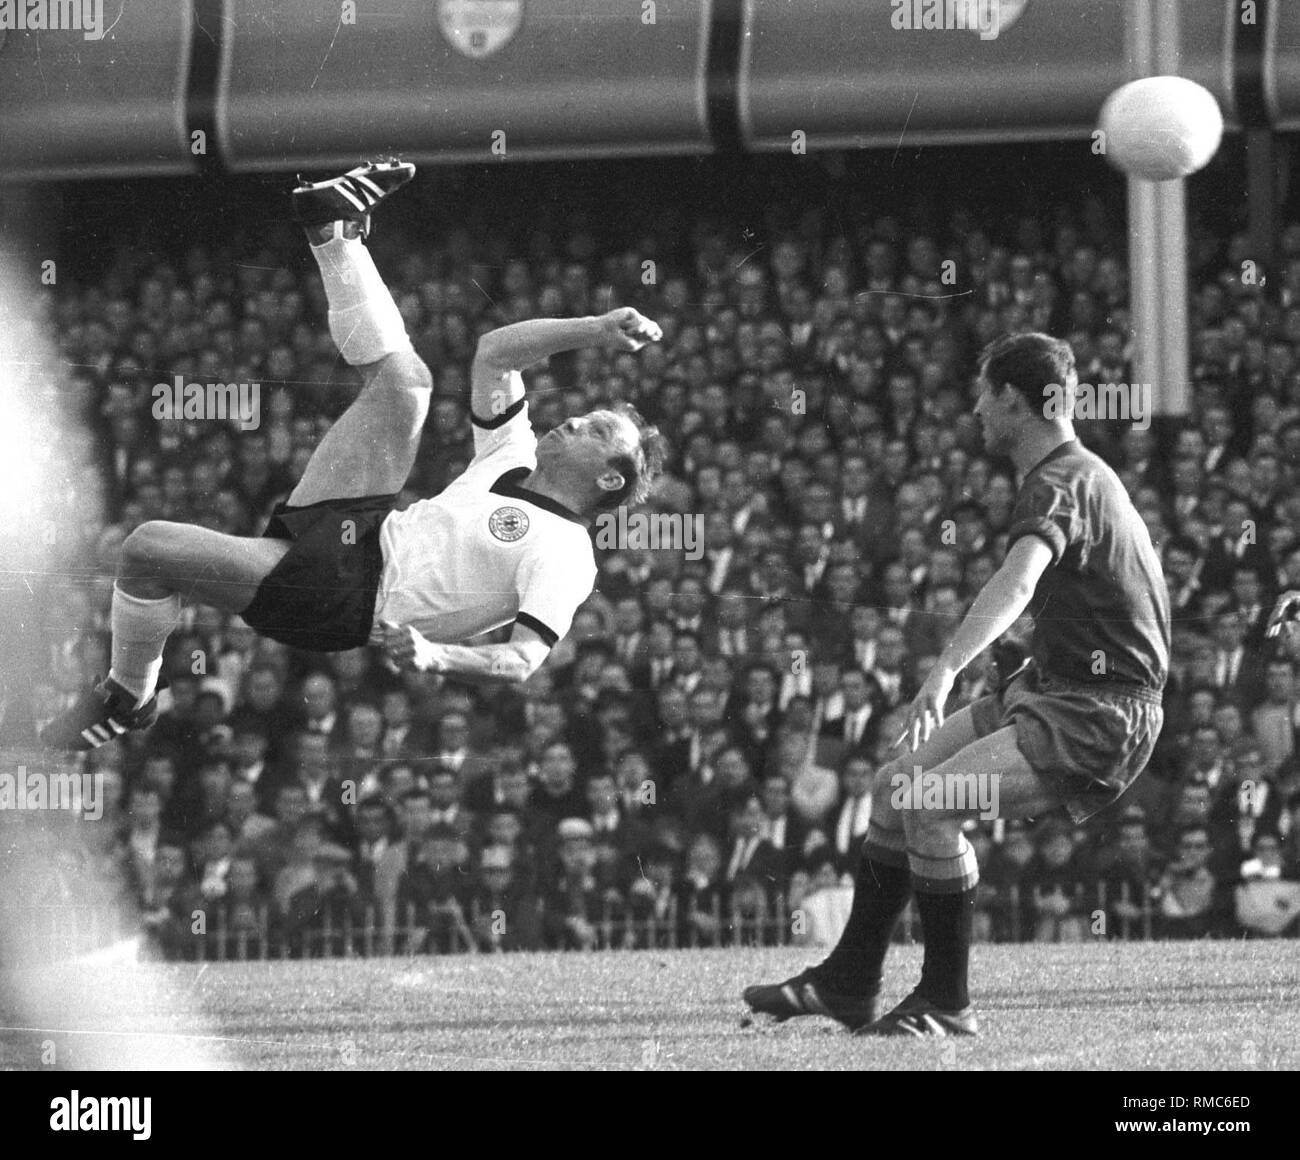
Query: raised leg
<point x="162" y="565"/>
<point x="161" y="559"/>
<point x="371" y="449"/>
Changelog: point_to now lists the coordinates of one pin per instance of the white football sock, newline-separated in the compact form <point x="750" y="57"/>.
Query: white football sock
<point x="364" y="320"/>
<point x="140" y="630"/>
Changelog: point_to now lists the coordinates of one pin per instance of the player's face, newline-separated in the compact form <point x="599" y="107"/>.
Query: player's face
<point x="993" y="410"/>
<point x="586" y="443"/>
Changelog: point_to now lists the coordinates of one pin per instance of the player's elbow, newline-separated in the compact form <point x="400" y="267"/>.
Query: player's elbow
<point x="1022" y="592"/>
<point x="1015" y="588"/>
<point x="492" y="353"/>
<point x="515" y="663"/>
<point x="1016" y="602"/>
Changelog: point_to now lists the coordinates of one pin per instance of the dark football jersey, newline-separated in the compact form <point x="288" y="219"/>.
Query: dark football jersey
<point x="1101" y="610"/>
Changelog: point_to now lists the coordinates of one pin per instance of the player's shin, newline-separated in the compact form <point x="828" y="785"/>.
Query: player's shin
<point x="363" y="318"/>
<point x="140" y="630"/>
<point x="880" y="893"/>
<point x="945" y="898"/>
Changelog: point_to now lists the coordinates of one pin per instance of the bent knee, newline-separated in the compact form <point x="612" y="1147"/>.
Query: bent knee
<point x="402" y="371"/>
<point x="148" y="543"/>
<point x="892" y="778"/>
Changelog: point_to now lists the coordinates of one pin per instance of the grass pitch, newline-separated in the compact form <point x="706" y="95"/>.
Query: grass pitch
<point x="1094" y="1006"/>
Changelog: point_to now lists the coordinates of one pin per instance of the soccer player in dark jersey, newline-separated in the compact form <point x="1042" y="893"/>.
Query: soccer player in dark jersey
<point x="1071" y="729"/>
<point x="504" y="544"/>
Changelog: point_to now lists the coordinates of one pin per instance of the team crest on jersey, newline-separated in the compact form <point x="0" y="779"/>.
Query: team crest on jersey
<point x="508" y="524"/>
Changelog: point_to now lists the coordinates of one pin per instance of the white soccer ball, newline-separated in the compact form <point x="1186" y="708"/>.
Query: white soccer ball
<point x="1161" y="128"/>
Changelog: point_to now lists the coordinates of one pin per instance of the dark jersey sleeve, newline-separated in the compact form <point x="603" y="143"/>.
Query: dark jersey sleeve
<point x="1048" y="509"/>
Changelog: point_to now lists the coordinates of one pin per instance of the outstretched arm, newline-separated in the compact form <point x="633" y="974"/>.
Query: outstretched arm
<point x="503" y="353"/>
<point x="995" y="609"/>
<point x="511" y="663"/>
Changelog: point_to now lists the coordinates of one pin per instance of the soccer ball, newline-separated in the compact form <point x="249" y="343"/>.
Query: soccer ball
<point x="1161" y="128"/>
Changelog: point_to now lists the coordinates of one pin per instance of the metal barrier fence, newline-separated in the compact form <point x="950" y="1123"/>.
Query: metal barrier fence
<point x="240" y="932"/>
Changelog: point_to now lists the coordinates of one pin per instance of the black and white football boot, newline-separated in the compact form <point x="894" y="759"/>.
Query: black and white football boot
<point x="917" y="1018"/>
<point x="99" y="715"/>
<point x="808" y="994"/>
<point x="350" y="197"/>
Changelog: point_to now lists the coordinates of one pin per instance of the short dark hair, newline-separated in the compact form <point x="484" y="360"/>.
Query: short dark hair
<point x="1028" y="363"/>
<point x="640" y="469"/>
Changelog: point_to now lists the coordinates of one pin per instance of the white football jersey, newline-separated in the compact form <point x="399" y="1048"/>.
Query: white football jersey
<point x="486" y="551"/>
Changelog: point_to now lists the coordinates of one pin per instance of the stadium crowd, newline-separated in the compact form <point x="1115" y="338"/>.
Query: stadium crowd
<point x="701" y="744"/>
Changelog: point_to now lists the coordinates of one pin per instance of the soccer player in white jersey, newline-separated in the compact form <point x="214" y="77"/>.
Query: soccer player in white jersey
<point x="504" y="544"/>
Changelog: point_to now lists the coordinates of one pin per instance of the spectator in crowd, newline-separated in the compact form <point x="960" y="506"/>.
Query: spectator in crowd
<point x="1128" y="876"/>
<point x="851" y="721"/>
<point x="822" y="911"/>
<point x="1010" y="885"/>
<point x="1267" y="900"/>
<point x="245" y="906"/>
<point x="849" y="825"/>
<point x="247" y="826"/>
<point x="315" y="875"/>
<point x="318" y="700"/>
<point x="213" y="851"/>
<point x="787" y="833"/>
<point x="433" y="892"/>
<point x="1191" y="901"/>
<point x="752" y="856"/>
<point x="144" y="835"/>
<point x="814" y="789"/>
<point x="416" y="816"/>
<point x="1274" y="721"/>
<point x="574" y="904"/>
<point x="503" y="915"/>
<point x="557" y="794"/>
<point x="373" y="839"/>
<point x="1055" y="887"/>
<point x="169" y="900"/>
<point x="445" y="806"/>
<point x="270" y="850"/>
<point x="700" y="894"/>
<point x="652" y="899"/>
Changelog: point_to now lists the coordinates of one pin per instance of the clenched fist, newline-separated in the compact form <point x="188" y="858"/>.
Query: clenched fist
<point x="407" y="650"/>
<point x="629" y="330"/>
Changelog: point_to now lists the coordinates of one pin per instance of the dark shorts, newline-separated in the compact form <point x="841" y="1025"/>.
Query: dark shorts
<point x="321" y="595"/>
<point x="1088" y="743"/>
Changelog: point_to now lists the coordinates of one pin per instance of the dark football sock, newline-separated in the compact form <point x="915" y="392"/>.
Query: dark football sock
<point x="946" y="920"/>
<point x="945" y="899"/>
<point x="881" y="889"/>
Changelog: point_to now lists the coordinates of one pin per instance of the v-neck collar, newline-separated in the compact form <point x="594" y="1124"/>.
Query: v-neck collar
<point x="510" y="484"/>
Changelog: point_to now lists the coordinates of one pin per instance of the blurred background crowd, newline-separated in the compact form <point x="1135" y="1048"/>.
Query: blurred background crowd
<point x="692" y="763"/>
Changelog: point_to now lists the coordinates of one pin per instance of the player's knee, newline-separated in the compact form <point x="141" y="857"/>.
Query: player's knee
<point x="422" y="377"/>
<point x="919" y="822"/>
<point x="402" y="371"/>
<point x="892" y="778"/>
<point x="145" y="546"/>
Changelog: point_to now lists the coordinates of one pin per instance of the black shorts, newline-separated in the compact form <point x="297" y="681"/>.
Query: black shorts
<point x="321" y="595"/>
<point x="1088" y="742"/>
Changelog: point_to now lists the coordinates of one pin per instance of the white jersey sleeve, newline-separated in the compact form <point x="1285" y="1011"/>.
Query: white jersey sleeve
<point x="552" y="584"/>
<point x="503" y="442"/>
